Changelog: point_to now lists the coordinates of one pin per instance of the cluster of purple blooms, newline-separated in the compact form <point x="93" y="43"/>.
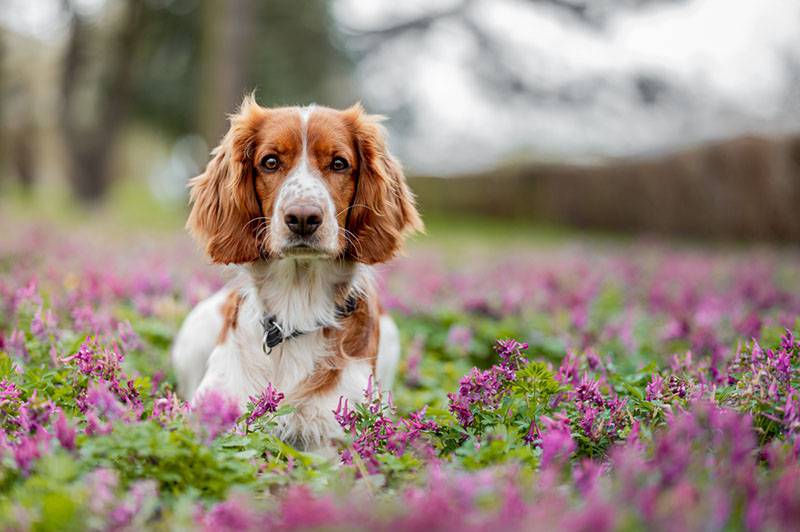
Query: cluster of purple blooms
<point x="373" y="431"/>
<point x="30" y="427"/>
<point x="597" y="415"/>
<point x="700" y="472"/>
<point x="108" y="388"/>
<point x="485" y="388"/>
<point x="716" y="448"/>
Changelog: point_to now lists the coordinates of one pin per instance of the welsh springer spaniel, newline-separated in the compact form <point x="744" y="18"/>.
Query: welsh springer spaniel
<point x="302" y="201"/>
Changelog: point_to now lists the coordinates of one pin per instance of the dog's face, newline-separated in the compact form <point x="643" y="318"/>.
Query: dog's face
<point x="302" y="182"/>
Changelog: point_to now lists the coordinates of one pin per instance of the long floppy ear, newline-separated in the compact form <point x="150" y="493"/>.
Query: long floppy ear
<point x="225" y="208"/>
<point x="383" y="211"/>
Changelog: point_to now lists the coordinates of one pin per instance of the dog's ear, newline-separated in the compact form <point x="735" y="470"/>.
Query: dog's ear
<point x="226" y="212"/>
<point x="383" y="211"/>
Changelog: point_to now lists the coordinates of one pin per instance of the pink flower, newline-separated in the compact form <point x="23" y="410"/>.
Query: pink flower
<point x="65" y="432"/>
<point x="42" y="324"/>
<point x="167" y="407"/>
<point x="15" y="344"/>
<point x="266" y="402"/>
<point x="557" y="443"/>
<point x="102" y="407"/>
<point x="655" y="388"/>
<point x="344" y="416"/>
<point x="460" y="337"/>
<point x="233" y="515"/>
<point x="533" y="435"/>
<point x="215" y="413"/>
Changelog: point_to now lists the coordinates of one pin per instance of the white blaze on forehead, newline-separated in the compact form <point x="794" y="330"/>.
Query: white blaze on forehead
<point x="305" y="114"/>
<point x="305" y="185"/>
<point x="304" y="182"/>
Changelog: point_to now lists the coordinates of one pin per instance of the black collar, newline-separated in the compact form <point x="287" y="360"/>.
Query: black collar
<point x="275" y="335"/>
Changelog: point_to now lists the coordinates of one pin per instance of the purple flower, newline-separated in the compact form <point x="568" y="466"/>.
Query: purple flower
<point x="586" y="475"/>
<point x="654" y="389"/>
<point x="557" y="443"/>
<point x="788" y="342"/>
<point x="29" y="448"/>
<point x="460" y="337"/>
<point x="533" y="435"/>
<point x="568" y="371"/>
<point x="216" y="413"/>
<point x="101" y="408"/>
<point x="9" y="401"/>
<point x="592" y="359"/>
<point x="123" y="514"/>
<point x="101" y="483"/>
<point x="42" y="324"/>
<point x="344" y="416"/>
<point x="413" y="360"/>
<point x="65" y="432"/>
<point x="233" y="515"/>
<point x="677" y="386"/>
<point x="791" y="411"/>
<point x="510" y="352"/>
<point x="480" y="388"/>
<point x="28" y="294"/>
<point x="34" y="414"/>
<point x="586" y="422"/>
<point x="485" y="388"/>
<point x="15" y="345"/>
<point x="588" y="391"/>
<point x="266" y="402"/>
<point x="461" y="408"/>
<point x="375" y="435"/>
<point x="128" y="337"/>
<point x="167" y="407"/>
<point x="103" y="402"/>
<point x="94" y="362"/>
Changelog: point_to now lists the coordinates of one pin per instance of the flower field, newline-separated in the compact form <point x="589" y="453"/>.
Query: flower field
<point x="575" y="385"/>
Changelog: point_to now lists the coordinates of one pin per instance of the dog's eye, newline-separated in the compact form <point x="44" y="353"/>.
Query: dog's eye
<point x="338" y="164"/>
<point x="270" y="163"/>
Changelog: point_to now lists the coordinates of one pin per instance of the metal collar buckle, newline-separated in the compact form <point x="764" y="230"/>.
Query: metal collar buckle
<point x="273" y="334"/>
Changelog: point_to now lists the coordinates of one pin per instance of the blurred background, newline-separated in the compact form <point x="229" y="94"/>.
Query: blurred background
<point x="675" y="117"/>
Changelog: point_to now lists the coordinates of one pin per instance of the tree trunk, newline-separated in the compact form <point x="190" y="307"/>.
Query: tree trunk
<point x="90" y="147"/>
<point x="227" y="37"/>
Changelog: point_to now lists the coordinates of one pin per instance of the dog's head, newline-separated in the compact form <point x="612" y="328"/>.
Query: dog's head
<point x="302" y="182"/>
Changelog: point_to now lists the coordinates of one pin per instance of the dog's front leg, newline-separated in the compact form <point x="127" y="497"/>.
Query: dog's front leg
<point x="313" y="426"/>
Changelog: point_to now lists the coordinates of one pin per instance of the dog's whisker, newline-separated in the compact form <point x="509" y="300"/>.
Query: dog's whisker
<point x="260" y="218"/>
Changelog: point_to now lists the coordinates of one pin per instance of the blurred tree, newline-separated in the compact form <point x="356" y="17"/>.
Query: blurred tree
<point x="18" y="128"/>
<point x="167" y="79"/>
<point x="183" y="65"/>
<point x="500" y="68"/>
<point x="227" y="47"/>
<point x="96" y="91"/>
<point x="283" y="49"/>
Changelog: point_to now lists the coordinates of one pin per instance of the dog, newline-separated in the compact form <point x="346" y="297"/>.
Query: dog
<point x="303" y="202"/>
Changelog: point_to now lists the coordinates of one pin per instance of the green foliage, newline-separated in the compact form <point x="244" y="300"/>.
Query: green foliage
<point x="175" y="458"/>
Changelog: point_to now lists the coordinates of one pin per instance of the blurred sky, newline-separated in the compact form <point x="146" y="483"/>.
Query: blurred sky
<point x="715" y="67"/>
<point x="632" y="81"/>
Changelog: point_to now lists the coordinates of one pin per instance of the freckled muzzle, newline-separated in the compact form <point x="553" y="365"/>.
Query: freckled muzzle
<point x="304" y="221"/>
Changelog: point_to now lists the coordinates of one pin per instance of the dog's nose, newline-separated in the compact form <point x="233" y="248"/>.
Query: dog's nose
<point x="303" y="220"/>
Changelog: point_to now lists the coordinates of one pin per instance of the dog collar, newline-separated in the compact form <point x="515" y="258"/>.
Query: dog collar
<point x="274" y="334"/>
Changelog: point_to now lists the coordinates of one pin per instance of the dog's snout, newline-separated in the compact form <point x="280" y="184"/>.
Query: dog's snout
<point x="303" y="220"/>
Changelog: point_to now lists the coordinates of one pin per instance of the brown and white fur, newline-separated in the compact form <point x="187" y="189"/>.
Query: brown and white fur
<point x="332" y="168"/>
